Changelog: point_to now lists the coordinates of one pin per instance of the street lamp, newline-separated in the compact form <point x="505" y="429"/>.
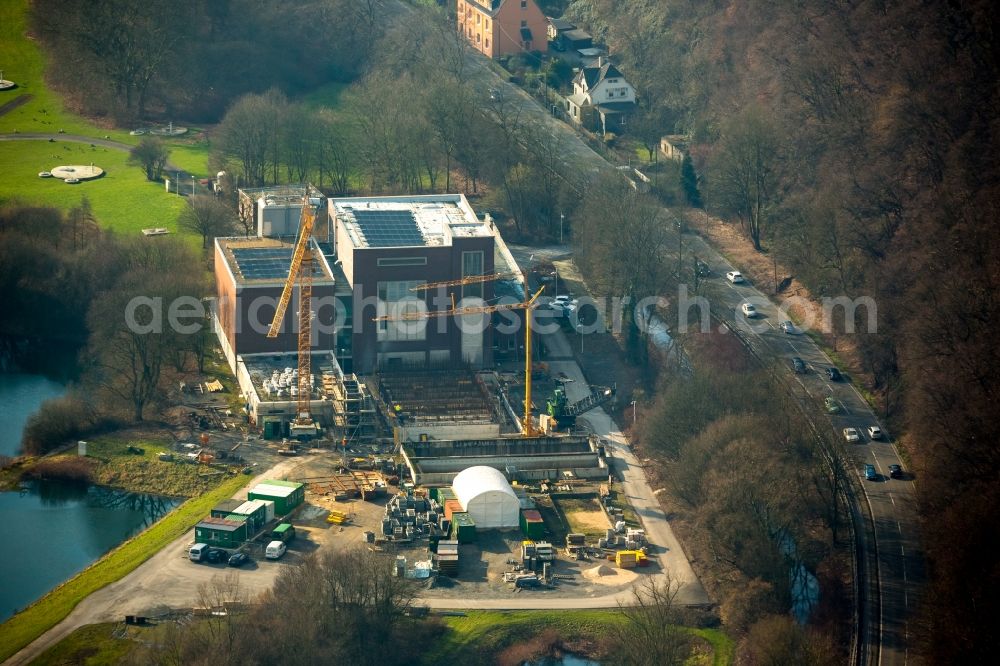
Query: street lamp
<point x="561" y="218"/>
<point x="580" y="333"/>
<point x="633" y="413"/>
<point x="192" y="184"/>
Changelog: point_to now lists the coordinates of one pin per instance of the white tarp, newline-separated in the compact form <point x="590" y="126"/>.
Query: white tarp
<point x="487" y="496"/>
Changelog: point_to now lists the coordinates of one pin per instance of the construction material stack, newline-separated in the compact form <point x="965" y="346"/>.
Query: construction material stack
<point x="446" y="558"/>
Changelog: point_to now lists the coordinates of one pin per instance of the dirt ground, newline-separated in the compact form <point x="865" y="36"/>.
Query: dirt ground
<point x="584" y="515"/>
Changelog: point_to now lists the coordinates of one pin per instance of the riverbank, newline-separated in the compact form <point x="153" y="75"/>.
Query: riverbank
<point x="48" y="611"/>
<point x="125" y="461"/>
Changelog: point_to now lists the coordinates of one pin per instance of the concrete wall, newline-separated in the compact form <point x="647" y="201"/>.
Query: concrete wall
<point x="411" y="433"/>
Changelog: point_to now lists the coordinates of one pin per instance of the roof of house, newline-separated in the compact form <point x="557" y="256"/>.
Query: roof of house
<point x="576" y="35"/>
<point x="408" y="221"/>
<point x="616" y="107"/>
<point x="491" y="7"/>
<point x="594" y="75"/>
<point x="561" y="24"/>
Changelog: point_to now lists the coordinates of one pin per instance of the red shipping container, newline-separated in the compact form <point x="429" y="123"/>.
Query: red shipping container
<point x="452" y="506"/>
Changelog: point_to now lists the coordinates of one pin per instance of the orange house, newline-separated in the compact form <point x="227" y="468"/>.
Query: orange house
<point x="502" y="27"/>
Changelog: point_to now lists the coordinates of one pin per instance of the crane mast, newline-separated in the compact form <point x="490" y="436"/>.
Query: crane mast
<point x="300" y="273"/>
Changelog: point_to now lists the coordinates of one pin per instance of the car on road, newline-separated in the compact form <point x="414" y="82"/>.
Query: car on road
<point x="833" y="374"/>
<point x="895" y="471"/>
<point x="870" y="473"/>
<point x="748" y="310"/>
<point x="701" y="269"/>
<point x="851" y="435"/>
<point x="788" y="327"/>
<point x="874" y="432"/>
<point x="735" y="277"/>
<point x="798" y="365"/>
<point x="832" y="406"/>
<point x="238" y="559"/>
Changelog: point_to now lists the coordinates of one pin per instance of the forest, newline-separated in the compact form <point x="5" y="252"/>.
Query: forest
<point x="856" y="141"/>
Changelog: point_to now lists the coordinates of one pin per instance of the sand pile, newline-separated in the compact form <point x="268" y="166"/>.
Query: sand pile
<point x="600" y="570"/>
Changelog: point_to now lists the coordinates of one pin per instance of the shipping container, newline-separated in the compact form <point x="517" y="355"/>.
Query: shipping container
<point x="283" y="532"/>
<point x="221" y="532"/>
<point x="225" y="507"/>
<point x="463" y="528"/>
<point x="532" y="524"/>
<point x="286" y="495"/>
<point x="451" y="507"/>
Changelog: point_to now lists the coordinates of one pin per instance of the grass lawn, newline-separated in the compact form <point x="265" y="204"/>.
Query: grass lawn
<point x="92" y="645"/>
<point x="146" y="473"/>
<point x="480" y="633"/>
<point x="24" y="63"/>
<point x="41" y="616"/>
<point x="123" y="200"/>
<point x="191" y="156"/>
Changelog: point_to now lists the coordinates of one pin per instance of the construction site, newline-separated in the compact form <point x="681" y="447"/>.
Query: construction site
<point x="478" y="478"/>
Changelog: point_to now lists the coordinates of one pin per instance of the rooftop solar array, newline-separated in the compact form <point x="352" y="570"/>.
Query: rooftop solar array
<point x="267" y="263"/>
<point x="388" y="228"/>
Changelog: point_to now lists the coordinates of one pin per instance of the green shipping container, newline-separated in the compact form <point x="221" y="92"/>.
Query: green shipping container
<point x="286" y="495"/>
<point x="283" y="532"/>
<point x="463" y="528"/>
<point x="221" y="532"/>
<point x="532" y="524"/>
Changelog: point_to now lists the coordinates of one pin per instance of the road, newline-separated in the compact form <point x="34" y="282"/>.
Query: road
<point x="894" y="538"/>
<point x="898" y="569"/>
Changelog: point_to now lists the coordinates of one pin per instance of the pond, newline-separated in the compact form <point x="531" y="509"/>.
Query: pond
<point x="54" y="530"/>
<point x="21" y="395"/>
<point x="564" y="660"/>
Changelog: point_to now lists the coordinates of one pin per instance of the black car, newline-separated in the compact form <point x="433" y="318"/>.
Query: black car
<point x="798" y="365"/>
<point x="895" y="471"/>
<point x="238" y="559"/>
<point x="702" y="269"/>
<point x="215" y="555"/>
<point x="833" y="374"/>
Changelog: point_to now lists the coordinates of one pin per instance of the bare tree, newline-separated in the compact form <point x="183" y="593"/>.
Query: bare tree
<point x="151" y="154"/>
<point x="652" y="635"/>
<point x="208" y="217"/>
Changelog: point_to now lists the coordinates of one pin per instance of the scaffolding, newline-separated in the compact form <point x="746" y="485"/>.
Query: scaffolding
<point x="353" y="407"/>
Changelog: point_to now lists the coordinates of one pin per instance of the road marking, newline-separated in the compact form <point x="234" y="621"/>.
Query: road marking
<point x="892" y="500"/>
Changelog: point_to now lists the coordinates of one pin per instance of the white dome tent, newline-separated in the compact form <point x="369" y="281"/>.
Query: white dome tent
<point x="485" y="494"/>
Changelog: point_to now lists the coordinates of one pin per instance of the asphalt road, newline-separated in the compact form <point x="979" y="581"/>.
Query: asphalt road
<point x="892" y="502"/>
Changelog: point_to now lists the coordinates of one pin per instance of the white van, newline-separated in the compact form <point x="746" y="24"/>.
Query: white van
<point x="275" y="550"/>
<point x="197" y="552"/>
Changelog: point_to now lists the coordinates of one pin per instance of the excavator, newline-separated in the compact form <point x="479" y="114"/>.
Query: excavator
<point x="565" y="414"/>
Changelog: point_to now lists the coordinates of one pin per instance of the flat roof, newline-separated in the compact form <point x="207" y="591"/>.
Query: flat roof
<point x="431" y="220"/>
<point x="267" y="260"/>
<point x="271" y="490"/>
<point x="262" y="368"/>
<point x="222" y="524"/>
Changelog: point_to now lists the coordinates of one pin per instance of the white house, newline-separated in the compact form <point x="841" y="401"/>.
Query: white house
<point x="602" y="87"/>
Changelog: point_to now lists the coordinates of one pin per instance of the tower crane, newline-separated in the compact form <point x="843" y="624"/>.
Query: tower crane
<point x="300" y="273"/>
<point x="527" y="427"/>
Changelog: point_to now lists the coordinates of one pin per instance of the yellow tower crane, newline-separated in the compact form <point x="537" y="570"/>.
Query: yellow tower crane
<point x="527" y="427"/>
<point x="300" y="273"/>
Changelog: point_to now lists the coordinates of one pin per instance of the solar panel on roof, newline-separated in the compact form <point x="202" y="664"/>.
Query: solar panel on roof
<point x="266" y="263"/>
<point x="388" y="228"/>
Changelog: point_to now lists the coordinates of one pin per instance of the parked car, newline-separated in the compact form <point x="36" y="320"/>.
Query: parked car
<point x="275" y="550"/>
<point x="238" y="559"/>
<point x="870" y="473"/>
<point x="832" y="406"/>
<point x="852" y="435"/>
<point x="833" y="374"/>
<point x="197" y="552"/>
<point x="798" y="365"/>
<point x="787" y="327"/>
<point x="874" y="432"/>
<point x="748" y="310"/>
<point x="735" y="277"/>
<point x="216" y="555"/>
<point x="895" y="471"/>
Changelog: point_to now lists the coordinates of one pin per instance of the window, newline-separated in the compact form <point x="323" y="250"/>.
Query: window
<point x="478" y="18"/>
<point x="487" y="42"/>
<point x="524" y="4"/>
<point x="402" y="261"/>
<point x="472" y="264"/>
<point x="477" y="37"/>
<point x="524" y="24"/>
<point x="396" y="298"/>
